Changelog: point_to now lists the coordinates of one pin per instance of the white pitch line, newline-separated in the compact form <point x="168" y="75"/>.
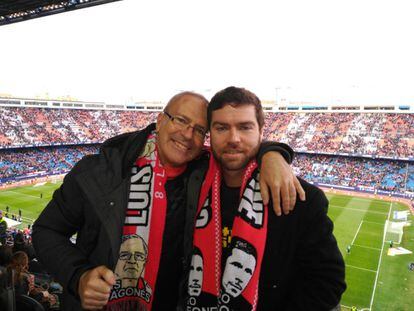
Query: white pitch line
<point x="377" y="249"/>
<point x="350" y="308"/>
<point x="379" y="262"/>
<point x="357" y="232"/>
<point x="374" y="222"/>
<point x="359" y="268"/>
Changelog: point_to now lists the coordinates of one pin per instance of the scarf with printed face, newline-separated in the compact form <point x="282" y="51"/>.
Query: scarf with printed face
<point x="140" y="250"/>
<point x="236" y="288"/>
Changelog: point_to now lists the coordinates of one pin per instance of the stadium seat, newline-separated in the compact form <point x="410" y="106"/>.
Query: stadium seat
<point x="26" y="303"/>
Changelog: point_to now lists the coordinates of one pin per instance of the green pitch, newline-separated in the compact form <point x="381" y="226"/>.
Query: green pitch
<point x="375" y="280"/>
<point x="30" y="199"/>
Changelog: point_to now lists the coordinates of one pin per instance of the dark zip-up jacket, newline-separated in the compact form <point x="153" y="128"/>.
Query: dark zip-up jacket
<point x="302" y="268"/>
<point x="91" y="202"/>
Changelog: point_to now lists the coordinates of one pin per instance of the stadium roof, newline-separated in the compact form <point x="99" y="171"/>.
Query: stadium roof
<point x="12" y="11"/>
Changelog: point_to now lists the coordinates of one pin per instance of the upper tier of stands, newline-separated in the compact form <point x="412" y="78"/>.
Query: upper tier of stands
<point x="381" y="135"/>
<point x="22" y="127"/>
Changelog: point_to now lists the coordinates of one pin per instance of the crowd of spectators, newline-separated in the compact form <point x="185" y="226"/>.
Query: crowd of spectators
<point x="391" y="175"/>
<point x="24" y="162"/>
<point x="380" y="135"/>
<point x="22" y="127"/>
<point x="380" y="174"/>
<point x="374" y="134"/>
<point x="18" y="263"/>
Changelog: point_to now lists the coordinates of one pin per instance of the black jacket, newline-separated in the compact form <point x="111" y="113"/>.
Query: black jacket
<point x="302" y="267"/>
<point x="91" y="202"/>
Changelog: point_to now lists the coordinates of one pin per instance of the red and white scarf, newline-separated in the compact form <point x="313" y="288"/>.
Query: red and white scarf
<point x="246" y="249"/>
<point x="142" y="233"/>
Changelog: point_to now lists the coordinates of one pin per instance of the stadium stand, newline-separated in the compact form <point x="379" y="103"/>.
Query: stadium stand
<point x="32" y="287"/>
<point x="28" y="162"/>
<point x="373" y="174"/>
<point x="12" y="11"/>
<point x="372" y="151"/>
<point x="23" y="127"/>
<point x="379" y="135"/>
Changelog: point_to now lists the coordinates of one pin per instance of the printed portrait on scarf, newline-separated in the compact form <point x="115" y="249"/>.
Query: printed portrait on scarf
<point x="195" y="281"/>
<point x="239" y="267"/>
<point x="130" y="266"/>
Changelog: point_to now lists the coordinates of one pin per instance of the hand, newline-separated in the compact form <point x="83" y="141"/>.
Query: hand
<point x="95" y="286"/>
<point x="277" y="176"/>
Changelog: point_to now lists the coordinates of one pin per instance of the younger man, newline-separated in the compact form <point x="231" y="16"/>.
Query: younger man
<point x="252" y="259"/>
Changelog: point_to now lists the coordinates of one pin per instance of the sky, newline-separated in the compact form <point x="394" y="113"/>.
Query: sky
<point x="320" y="51"/>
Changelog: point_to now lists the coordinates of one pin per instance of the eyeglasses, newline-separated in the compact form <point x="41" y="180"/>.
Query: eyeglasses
<point x="138" y="256"/>
<point x="183" y="124"/>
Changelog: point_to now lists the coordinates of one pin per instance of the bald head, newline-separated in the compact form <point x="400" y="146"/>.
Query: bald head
<point x="183" y="96"/>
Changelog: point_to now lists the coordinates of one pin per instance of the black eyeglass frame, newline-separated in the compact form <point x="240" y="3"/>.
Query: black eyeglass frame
<point x="183" y="123"/>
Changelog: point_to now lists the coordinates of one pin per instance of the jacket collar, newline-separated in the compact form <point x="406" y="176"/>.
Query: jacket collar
<point x="134" y="147"/>
<point x="127" y="147"/>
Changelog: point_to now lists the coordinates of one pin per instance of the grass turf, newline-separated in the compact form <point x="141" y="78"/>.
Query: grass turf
<point x="30" y="199"/>
<point x="374" y="280"/>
